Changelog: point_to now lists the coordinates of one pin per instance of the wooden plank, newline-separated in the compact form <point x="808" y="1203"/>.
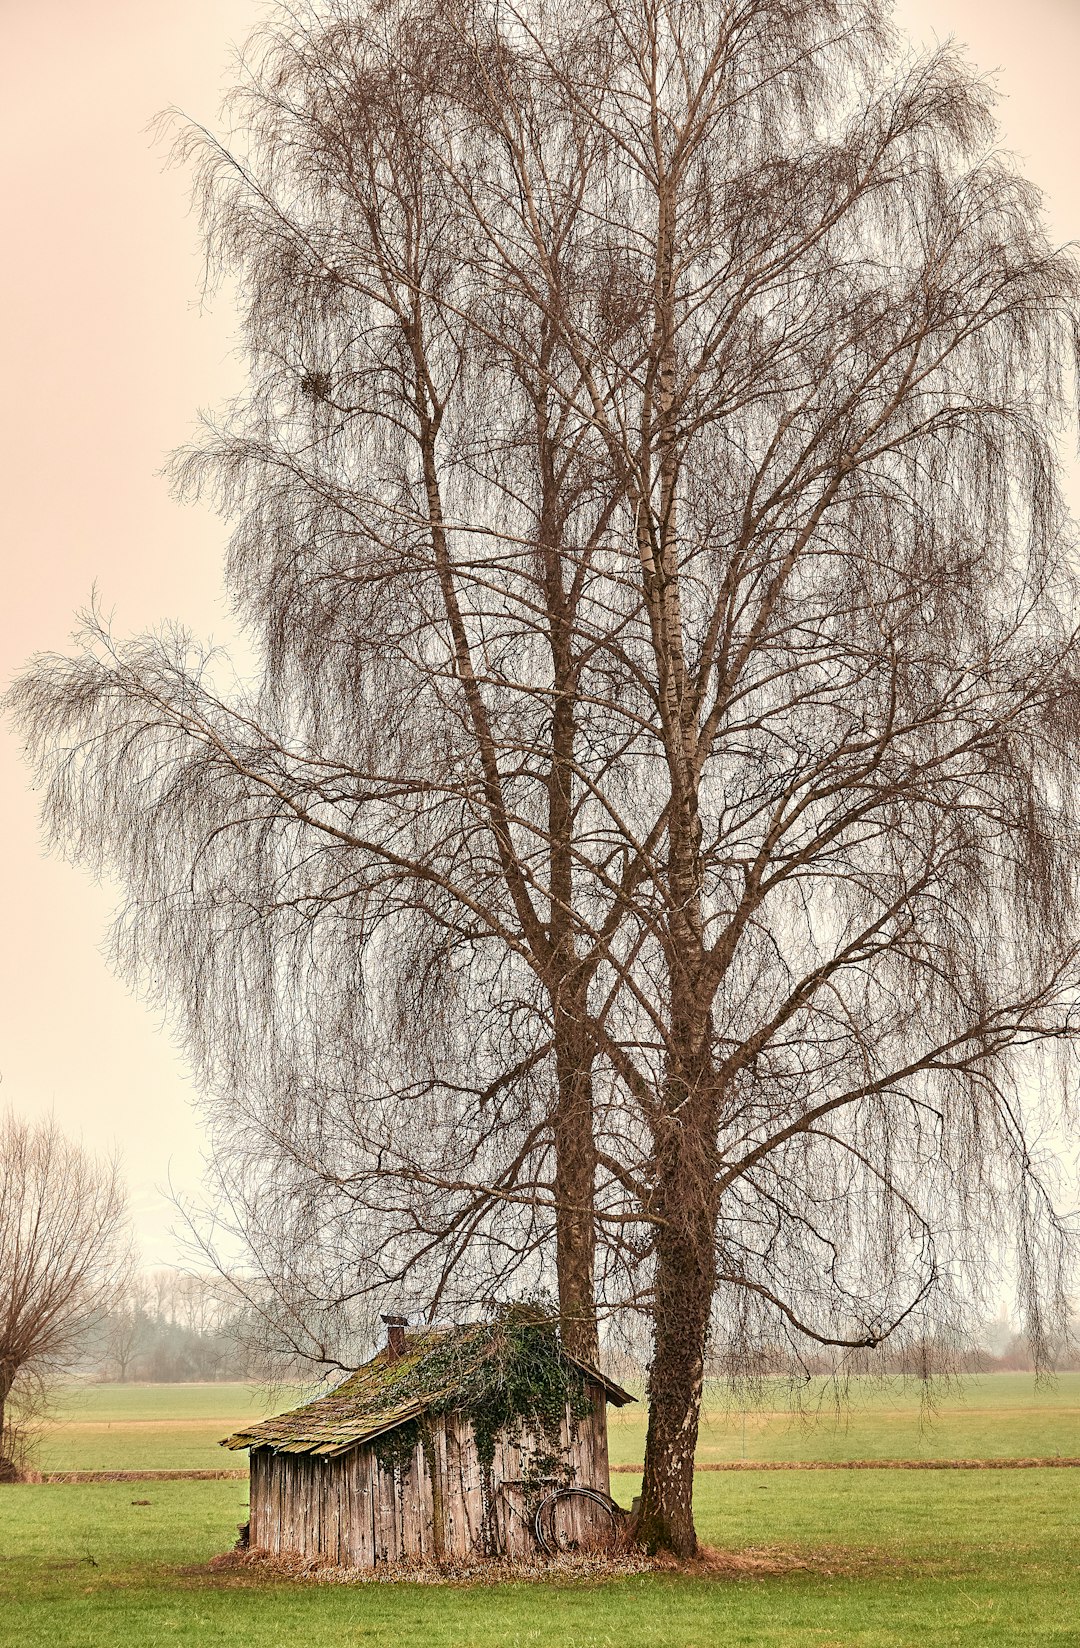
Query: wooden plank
<point x="266" y="1501"/>
<point x="384" y="1512"/>
<point x="288" y="1497"/>
<point x="373" y="1509"/>
<point x="426" y="1513"/>
<point x="410" y="1508"/>
<point x="307" y="1523"/>
<point x="601" y="1462"/>
<point x="286" y="1478"/>
<point x="354" y="1546"/>
<point x="421" y="1488"/>
<point x="327" y="1501"/>
<point x="355" y="1550"/>
<point x="295" y="1484"/>
<point x="343" y="1481"/>
<point x="365" y="1536"/>
<point x="470" y="1476"/>
<point x="360" y="1546"/>
<point x="514" y="1522"/>
<point x="255" y="1517"/>
<point x="457" y="1518"/>
<point x="506" y="1464"/>
<point x="388" y="1487"/>
<point x="442" y="1535"/>
<point x="448" y="1509"/>
<point x="271" y="1506"/>
<point x="346" y="1510"/>
<point x="393" y="1493"/>
<point x="304" y="1506"/>
<point x="277" y="1503"/>
<point x="455" y="1513"/>
<point x="467" y="1468"/>
<point x="330" y="1512"/>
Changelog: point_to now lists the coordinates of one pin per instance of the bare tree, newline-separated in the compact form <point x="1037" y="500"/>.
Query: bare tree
<point x="125" y="1324"/>
<point x="64" y="1254"/>
<point x="653" y="835"/>
<point x="169" y="1325"/>
<point x="828" y="405"/>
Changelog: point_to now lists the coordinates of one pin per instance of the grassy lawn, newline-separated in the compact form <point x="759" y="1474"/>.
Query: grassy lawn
<point x="902" y="1558"/>
<point x="893" y="1559"/>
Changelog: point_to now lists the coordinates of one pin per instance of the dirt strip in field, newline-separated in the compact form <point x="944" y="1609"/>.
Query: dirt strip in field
<point x="873" y="1465"/>
<point x="136" y="1476"/>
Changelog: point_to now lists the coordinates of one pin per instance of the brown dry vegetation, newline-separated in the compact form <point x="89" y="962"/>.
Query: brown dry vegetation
<point x="709" y="1562"/>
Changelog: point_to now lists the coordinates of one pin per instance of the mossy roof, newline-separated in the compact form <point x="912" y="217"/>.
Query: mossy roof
<point x="388" y="1391"/>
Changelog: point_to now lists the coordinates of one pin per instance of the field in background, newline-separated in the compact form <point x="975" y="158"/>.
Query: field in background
<point x="1004" y="1415"/>
<point x="860" y="1559"/>
<point x="152" y="1427"/>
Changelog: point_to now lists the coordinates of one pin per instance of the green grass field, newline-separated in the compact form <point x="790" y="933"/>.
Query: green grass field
<point x="890" y="1559"/>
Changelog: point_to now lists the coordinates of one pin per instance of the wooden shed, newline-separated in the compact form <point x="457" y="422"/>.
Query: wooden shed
<point x="480" y="1440"/>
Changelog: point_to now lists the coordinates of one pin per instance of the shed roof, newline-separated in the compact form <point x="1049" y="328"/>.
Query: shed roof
<point x="390" y="1390"/>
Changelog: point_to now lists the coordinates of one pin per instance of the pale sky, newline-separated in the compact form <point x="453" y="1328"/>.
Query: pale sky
<point x="107" y="358"/>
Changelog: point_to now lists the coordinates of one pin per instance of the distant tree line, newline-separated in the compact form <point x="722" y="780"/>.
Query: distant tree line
<point x="167" y="1327"/>
<point x="995" y="1347"/>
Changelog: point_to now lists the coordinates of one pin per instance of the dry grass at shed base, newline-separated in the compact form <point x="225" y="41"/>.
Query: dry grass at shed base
<point x="570" y="1567"/>
<point x="757" y="1562"/>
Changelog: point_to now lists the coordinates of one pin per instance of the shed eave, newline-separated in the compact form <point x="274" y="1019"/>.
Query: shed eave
<point x="612" y="1391"/>
<point x="321" y="1444"/>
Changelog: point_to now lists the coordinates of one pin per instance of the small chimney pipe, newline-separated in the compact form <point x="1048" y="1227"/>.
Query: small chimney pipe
<point x="395" y="1335"/>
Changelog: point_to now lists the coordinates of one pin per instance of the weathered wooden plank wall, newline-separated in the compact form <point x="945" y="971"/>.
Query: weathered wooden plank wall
<point x="354" y="1511"/>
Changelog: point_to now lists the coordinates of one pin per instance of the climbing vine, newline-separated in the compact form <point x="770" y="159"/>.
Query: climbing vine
<point x="504" y="1376"/>
<point x="394" y="1449"/>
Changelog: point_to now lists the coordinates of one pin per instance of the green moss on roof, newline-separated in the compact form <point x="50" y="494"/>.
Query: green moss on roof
<point x="459" y="1369"/>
